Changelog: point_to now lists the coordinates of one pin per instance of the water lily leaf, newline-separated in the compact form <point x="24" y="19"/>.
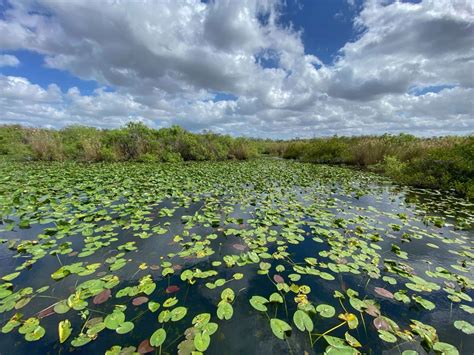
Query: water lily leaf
<point x="464" y="326"/>
<point x="228" y="295"/>
<point x="225" y="311"/>
<point x="170" y="302"/>
<point x="445" y="348"/>
<point x="325" y="310"/>
<point x="201" y="320"/>
<point x="62" y="272"/>
<point x="387" y="336"/>
<point x="81" y="340"/>
<point x="172" y="289"/>
<point x="178" y="313"/>
<point x="138" y="301"/>
<point x="258" y="302"/>
<point x="383" y="292"/>
<point x="164" y="316"/>
<point x="239" y="247"/>
<point x="278" y="279"/>
<point x="29" y="325"/>
<point x="351" y="319"/>
<point x="238" y="276"/>
<point x="279" y="328"/>
<point x="158" y="337"/>
<point x="145" y="347"/>
<point x="372" y="309"/>
<point x="352" y="341"/>
<point x="125" y="327"/>
<point x="36" y="334"/>
<point x="202" y="341"/>
<point x="11" y="276"/>
<point x="64" y="330"/>
<point x="303" y="321"/>
<point x="335" y="342"/>
<point x="22" y="303"/>
<point x="114" y="320"/>
<point x="381" y="323"/>
<point x="61" y="307"/>
<point x="327" y="276"/>
<point x="102" y="297"/>
<point x="12" y="323"/>
<point x="424" y="303"/>
<point x="467" y="308"/>
<point x="276" y="297"/>
<point x="153" y="306"/>
<point x="167" y="271"/>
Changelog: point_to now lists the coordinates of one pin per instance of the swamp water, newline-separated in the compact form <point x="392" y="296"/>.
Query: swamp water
<point x="261" y="257"/>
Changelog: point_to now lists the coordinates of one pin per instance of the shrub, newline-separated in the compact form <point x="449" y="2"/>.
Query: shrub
<point x="45" y="145"/>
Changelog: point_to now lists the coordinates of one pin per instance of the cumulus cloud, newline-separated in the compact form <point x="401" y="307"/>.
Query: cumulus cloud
<point x="167" y="60"/>
<point x="7" y="60"/>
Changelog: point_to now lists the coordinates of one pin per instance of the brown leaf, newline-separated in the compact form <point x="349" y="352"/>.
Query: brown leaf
<point x="372" y="310"/>
<point x="240" y="247"/>
<point x="139" y="300"/>
<point x="381" y="323"/>
<point x="278" y="279"/>
<point x="145" y="347"/>
<point x="172" y="289"/>
<point x="383" y="292"/>
<point x="102" y="297"/>
<point x="46" y="312"/>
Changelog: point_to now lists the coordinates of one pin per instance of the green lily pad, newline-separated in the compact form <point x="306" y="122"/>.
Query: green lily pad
<point x="258" y="302"/>
<point x="158" y="337"/>
<point x="279" y="328"/>
<point x="303" y="321"/>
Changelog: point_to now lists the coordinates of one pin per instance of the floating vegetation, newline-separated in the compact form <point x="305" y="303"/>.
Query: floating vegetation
<point x="252" y="257"/>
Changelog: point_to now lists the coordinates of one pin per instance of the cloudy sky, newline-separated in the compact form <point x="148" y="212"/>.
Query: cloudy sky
<point x="266" y="68"/>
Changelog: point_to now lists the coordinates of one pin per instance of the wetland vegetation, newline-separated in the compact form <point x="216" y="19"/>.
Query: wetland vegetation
<point x="190" y="257"/>
<point x="445" y="163"/>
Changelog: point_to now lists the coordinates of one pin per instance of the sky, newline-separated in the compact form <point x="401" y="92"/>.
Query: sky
<point x="261" y="68"/>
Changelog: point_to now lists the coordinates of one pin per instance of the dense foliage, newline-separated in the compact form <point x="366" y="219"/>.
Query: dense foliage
<point x="443" y="163"/>
<point x="134" y="142"/>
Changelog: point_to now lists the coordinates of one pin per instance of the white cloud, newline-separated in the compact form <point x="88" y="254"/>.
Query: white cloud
<point x="7" y="60"/>
<point x="165" y="60"/>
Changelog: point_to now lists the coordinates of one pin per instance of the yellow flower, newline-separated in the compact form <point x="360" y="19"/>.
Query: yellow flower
<point x="301" y="299"/>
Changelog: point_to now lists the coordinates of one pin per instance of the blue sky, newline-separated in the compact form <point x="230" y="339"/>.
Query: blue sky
<point x="262" y="68"/>
<point x="326" y="25"/>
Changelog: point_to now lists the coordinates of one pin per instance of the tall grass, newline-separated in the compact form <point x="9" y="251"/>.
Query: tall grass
<point x="443" y="162"/>
<point x="135" y="142"/>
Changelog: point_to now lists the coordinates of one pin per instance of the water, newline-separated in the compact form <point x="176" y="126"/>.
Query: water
<point x="295" y="201"/>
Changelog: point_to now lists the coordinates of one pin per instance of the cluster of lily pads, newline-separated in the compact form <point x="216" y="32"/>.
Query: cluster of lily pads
<point x="324" y="259"/>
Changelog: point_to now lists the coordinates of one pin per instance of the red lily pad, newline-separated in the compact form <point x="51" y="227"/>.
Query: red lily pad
<point x="383" y="292"/>
<point x="176" y="267"/>
<point x="372" y="310"/>
<point x="46" y="312"/>
<point x="102" y="297"/>
<point x="278" y="279"/>
<point x="139" y="300"/>
<point x="145" y="347"/>
<point x="240" y="247"/>
<point x="172" y="289"/>
<point x="381" y="323"/>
